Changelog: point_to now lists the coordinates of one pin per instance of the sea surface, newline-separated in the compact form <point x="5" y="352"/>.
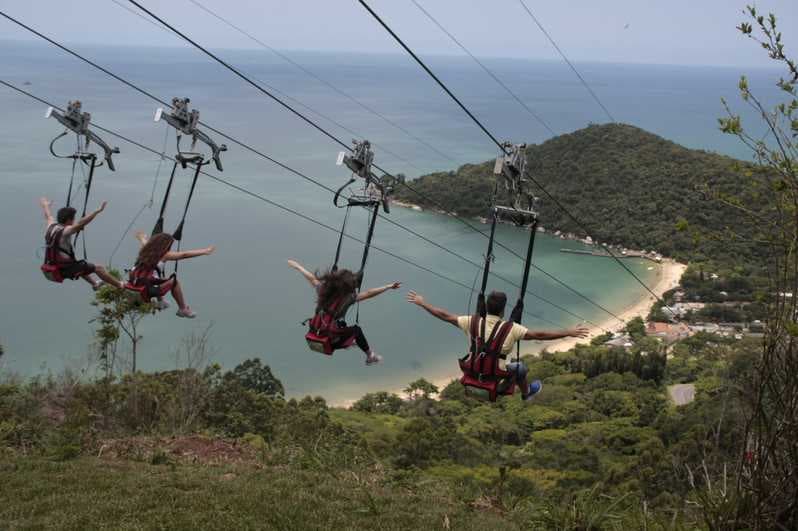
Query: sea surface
<point x="252" y="302"/>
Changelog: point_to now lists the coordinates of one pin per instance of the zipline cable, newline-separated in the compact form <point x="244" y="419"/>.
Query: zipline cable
<point x="286" y="96"/>
<point x="431" y="74"/>
<point x="499" y="144"/>
<point x="270" y="202"/>
<point x="487" y="70"/>
<point x="567" y="61"/>
<point x="321" y="80"/>
<point x="316" y="182"/>
<point x="297" y="113"/>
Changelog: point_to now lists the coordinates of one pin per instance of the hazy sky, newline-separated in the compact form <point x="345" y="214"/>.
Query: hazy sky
<point x="659" y="31"/>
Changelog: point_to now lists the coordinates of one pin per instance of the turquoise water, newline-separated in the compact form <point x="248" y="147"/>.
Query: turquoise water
<point x="252" y="300"/>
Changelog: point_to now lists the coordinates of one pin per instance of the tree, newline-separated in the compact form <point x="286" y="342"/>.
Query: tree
<point x="769" y="449"/>
<point x="119" y="313"/>
<point x="636" y="328"/>
<point x="253" y="375"/>
<point x="381" y="402"/>
<point x="421" y="388"/>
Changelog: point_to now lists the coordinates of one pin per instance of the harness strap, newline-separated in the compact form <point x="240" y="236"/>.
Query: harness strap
<point x="71" y="182"/>
<point x="341" y="239"/>
<point x="178" y="234"/>
<point x="159" y="224"/>
<point x="89" y="181"/>
<point x="53" y="241"/>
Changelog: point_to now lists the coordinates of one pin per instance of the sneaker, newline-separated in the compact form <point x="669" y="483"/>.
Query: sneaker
<point x="161" y="304"/>
<point x="186" y="313"/>
<point x="373" y="358"/>
<point x="533" y="389"/>
<point x="98" y="285"/>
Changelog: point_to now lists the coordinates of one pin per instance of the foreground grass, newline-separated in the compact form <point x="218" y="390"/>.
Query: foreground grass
<point x="92" y="493"/>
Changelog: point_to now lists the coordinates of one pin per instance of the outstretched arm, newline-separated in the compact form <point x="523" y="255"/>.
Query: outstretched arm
<point x="440" y="313"/>
<point x="142" y="237"/>
<point x="310" y="277"/>
<point x="373" y="292"/>
<point x="48" y="216"/>
<point x="548" y="335"/>
<point x="80" y="224"/>
<point x="175" y="256"/>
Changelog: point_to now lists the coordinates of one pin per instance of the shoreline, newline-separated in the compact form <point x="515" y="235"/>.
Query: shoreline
<point x="669" y="275"/>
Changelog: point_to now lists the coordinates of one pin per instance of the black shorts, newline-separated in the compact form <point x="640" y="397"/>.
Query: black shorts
<point x="78" y="269"/>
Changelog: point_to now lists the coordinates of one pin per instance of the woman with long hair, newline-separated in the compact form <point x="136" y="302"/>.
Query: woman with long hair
<point x="148" y="272"/>
<point x="336" y="292"/>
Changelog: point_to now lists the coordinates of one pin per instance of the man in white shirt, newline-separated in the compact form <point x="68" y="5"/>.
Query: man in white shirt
<point x="495" y="306"/>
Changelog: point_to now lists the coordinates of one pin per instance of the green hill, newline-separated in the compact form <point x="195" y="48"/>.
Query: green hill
<point x="628" y="186"/>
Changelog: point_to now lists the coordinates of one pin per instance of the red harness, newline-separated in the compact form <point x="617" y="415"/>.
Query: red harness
<point x="481" y="365"/>
<point x="324" y="330"/>
<point x="54" y="265"/>
<point x="148" y="282"/>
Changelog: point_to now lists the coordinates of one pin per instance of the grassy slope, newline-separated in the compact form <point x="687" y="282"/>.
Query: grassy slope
<point x="91" y="493"/>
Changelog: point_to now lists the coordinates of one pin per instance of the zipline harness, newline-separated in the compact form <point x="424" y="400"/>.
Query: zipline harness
<point x="149" y="282"/>
<point x="324" y="325"/>
<point x="481" y="365"/>
<point x="76" y="121"/>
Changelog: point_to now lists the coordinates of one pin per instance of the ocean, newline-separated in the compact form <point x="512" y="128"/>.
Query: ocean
<point x="251" y="301"/>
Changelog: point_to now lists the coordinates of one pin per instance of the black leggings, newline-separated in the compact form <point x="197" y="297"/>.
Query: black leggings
<point x="345" y="333"/>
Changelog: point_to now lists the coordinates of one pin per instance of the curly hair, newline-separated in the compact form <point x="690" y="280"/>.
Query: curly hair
<point x="336" y="284"/>
<point x="154" y="250"/>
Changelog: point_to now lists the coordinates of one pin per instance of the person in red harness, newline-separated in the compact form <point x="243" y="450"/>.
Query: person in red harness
<point x="495" y="305"/>
<point x="336" y="292"/>
<point x="60" y="253"/>
<point x="147" y="274"/>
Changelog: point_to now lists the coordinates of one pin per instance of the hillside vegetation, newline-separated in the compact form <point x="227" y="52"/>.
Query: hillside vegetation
<point x="628" y="186"/>
<point x="601" y="448"/>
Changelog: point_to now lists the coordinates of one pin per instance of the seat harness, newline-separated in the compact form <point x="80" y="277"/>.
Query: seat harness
<point x="374" y="194"/>
<point x="76" y="121"/>
<point x="480" y="366"/>
<point x="185" y="121"/>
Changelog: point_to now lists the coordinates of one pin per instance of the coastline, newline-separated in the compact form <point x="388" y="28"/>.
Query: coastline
<point x="669" y="274"/>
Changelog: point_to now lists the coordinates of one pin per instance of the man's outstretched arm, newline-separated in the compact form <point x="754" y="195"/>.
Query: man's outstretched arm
<point x="48" y="216"/>
<point x="80" y="224"/>
<point x="548" y="335"/>
<point x="440" y="313"/>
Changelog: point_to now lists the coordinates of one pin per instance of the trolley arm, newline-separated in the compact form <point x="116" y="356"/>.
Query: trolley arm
<point x="109" y="151"/>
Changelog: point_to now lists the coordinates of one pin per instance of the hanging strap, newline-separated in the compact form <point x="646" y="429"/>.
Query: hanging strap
<point x="178" y="234"/>
<point x="481" y="306"/>
<point x="340" y="240"/>
<point x="159" y="224"/>
<point x="92" y="165"/>
<point x="71" y="181"/>
<point x="375" y="210"/>
<point x="518" y="310"/>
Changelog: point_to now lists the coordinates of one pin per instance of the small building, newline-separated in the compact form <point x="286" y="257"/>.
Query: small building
<point x="621" y="341"/>
<point x="668" y="332"/>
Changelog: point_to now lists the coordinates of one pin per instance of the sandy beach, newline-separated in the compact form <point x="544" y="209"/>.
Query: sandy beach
<point x="669" y="274"/>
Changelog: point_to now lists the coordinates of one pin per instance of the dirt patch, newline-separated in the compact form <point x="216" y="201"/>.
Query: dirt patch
<point x="188" y="449"/>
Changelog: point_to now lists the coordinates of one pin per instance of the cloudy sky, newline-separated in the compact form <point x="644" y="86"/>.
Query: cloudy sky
<point x="696" y="32"/>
